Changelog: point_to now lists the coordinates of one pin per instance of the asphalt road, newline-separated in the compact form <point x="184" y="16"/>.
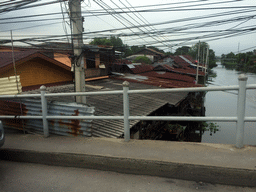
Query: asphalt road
<point x="23" y="177"/>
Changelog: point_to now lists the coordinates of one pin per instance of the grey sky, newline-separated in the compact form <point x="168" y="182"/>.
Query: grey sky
<point x="91" y="24"/>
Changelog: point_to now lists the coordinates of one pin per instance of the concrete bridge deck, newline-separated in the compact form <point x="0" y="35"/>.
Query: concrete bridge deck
<point x="212" y="163"/>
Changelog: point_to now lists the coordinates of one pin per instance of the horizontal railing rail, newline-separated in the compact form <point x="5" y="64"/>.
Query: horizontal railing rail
<point x="240" y="118"/>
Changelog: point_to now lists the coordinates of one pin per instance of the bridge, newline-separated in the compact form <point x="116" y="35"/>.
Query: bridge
<point x="214" y="163"/>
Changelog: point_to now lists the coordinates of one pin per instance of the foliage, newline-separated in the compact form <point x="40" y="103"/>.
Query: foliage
<point x="142" y="59"/>
<point x="112" y="41"/>
<point x="212" y="73"/>
<point x="117" y="43"/>
<point x="169" y="53"/>
<point x="184" y="50"/>
<point x="133" y="49"/>
<point x="178" y="129"/>
<point x="212" y="127"/>
<point x="203" y="53"/>
<point x="230" y="55"/>
<point x="101" y="41"/>
<point x="241" y="61"/>
<point x="230" y="63"/>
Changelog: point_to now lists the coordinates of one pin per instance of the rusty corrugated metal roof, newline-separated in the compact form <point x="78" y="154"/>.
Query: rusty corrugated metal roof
<point x="156" y="81"/>
<point x="169" y="75"/>
<point x="136" y="69"/>
<point x="32" y="107"/>
<point x="140" y="104"/>
<point x="184" y="70"/>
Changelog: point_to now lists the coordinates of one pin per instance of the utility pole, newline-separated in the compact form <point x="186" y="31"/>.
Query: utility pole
<point x="198" y="63"/>
<point x="206" y="64"/>
<point x="203" y="57"/>
<point x="207" y="60"/>
<point x="77" y="41"/>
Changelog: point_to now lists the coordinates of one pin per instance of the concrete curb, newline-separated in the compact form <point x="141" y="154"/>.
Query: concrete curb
<point x="209" y="174"/>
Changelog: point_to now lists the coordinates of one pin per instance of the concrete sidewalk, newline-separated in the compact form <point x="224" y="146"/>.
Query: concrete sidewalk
<point x="213" y="163"/>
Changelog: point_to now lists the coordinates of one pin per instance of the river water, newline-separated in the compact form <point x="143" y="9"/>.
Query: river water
<point x="220" y="103"/>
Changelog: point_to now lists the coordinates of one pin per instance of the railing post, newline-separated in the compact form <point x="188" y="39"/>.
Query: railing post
<point x="241" y="110"/>
<point x="126" y="111"/>
<point x="44" y="111"/>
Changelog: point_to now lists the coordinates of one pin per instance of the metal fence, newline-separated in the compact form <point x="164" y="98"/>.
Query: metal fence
<point x="239" y="119"/>
<point x="33" y="107"/>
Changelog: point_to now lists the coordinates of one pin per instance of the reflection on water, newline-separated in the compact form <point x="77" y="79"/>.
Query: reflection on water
<point x="224" y="103"/>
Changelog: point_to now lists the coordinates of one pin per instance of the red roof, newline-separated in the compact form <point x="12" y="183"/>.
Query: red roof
<point x="6" y="61"/>
<point x="184" y="70"/>
<point x="6" y="57"/>
<point x="188" y="71"/>
<point x="165" y="83"/>
<point x="141" y="68"/>
<point x="169" y="75"/>
<point x="178" y="60"/>
<point x="122" y="61"/>
<point x="188" y="57"/>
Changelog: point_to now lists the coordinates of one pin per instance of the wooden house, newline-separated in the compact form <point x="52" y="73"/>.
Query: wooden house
<point x="35" y="69"/>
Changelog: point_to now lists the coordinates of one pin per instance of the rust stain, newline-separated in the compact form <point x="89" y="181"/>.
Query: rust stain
<point x="51" y="122"/>
<point x="16" y="109"/>
<point x="73" y="125"/>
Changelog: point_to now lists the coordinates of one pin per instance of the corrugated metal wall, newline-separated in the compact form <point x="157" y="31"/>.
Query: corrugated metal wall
<point x="8" y="85"/>
<point x="61" y="127"/>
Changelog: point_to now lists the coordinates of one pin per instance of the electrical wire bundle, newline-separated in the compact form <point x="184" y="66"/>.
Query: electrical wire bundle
<point x="131" y="24"/>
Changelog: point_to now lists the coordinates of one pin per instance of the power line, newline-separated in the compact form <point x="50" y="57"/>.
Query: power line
<point x="144" y="28"/>
<point x="177" y="29"/>
<point x="103" y="13"/>
<point x="246" y="49"/>
<point x="22" y="28"/>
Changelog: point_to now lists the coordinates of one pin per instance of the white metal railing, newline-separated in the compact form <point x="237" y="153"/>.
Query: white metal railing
<point x="240" y="118"/>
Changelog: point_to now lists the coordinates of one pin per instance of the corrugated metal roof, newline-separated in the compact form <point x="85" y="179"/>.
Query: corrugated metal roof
<point x="178" y="60"/>
<point x="169" y="75"/>
<point x="8" y="85"/>
<point x="141" y="68"/>
<point x="185" y="61"/>
<point x="156" y="81"/>
<point x="184" y="70"/>
<point x="140" y="104"/>
<point x="150" y="52"/>
<point x="32" y="107"/>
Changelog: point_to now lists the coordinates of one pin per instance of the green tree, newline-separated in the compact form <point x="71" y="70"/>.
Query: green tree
<point x="142" y="59"/>
<point x="101" y="41"/>
<point x="116" y="42"/>
<point x="212" y="60"/>
<point x="241" y="58"/>
<point x="223" y="56"/>
<point x="184" y="50"/>
<point x="230" y="55"/>
<point x="202" y="54"/>
<point x="203" y="50"/>
<point x="133" y="49"/>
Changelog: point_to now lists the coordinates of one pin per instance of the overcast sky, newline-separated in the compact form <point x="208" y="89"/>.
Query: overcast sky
<point x="177" y="32"/>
